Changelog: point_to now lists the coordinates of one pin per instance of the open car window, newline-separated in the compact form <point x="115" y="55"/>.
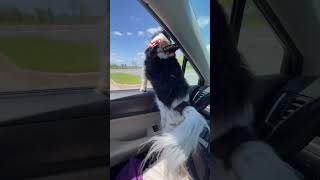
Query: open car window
<point x="49" y="58"/>
<point x="259" y="43"/>
<point x="131" y="28"/>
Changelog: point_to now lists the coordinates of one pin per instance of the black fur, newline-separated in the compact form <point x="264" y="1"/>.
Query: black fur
<point x="165" y="76"/>
<point x="231" y="77"/>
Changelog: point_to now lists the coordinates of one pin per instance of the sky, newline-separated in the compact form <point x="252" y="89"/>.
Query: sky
<point x="131" y="27"/>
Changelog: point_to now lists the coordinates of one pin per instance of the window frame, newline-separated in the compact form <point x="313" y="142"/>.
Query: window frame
<point x="154" y="15"/>
<point x="292" y="59"/>
<point x="184" y="67"/>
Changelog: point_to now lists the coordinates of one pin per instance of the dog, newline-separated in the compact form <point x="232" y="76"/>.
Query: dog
<point x="234" y="140"/>
<point x="180" y="131"/>
<point x="144" y="82"/>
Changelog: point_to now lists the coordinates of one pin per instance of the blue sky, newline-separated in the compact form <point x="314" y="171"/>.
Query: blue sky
<point x="131" y="27"/>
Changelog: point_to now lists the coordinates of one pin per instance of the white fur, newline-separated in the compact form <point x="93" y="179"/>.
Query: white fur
<point x="164" y="41"/>
<point x="169" y="117"/>
<point x="179" y="138"/>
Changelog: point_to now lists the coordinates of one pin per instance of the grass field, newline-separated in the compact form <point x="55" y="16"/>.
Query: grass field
<point x="180" y="60"/>
<point x="124" y="78"/>
<point x="49" y="55"/>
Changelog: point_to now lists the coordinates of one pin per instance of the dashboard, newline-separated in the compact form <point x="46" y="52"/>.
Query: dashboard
<point x="294" y="110"/>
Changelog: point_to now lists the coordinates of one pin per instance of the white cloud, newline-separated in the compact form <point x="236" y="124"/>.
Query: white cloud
<point x="203" y="21"/>
<point x="129" y="33"/>
<point x="140" y="33"/>
<point x="154" y="30"/>
<point x="117" y="33"/>
<point x="116" y="59"/>
<point x="141" y="55"/>
<point x="139" y="58"/>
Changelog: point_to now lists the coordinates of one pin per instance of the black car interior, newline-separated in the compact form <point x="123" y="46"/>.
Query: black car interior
<point x="286" y="104"/>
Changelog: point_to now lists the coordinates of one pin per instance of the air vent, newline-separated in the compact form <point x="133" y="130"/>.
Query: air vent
<point x="285" y="106"/>
<point x="294" y="105"/>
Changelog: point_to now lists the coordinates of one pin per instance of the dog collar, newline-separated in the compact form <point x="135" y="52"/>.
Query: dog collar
<point x="181" y="106"/>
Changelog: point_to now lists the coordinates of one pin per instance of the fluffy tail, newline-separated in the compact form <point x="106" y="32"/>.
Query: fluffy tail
<point x="176" y="146"/>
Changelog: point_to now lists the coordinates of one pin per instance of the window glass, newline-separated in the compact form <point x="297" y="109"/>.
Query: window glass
<point x="258" y="42"/>
<point x="191" y="75"/>
<point x="49" y="45"/>
<point x="201" y="10"/>
<point x="131" y="28"/>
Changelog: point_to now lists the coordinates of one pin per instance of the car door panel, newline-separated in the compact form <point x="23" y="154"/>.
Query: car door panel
<point x="128" y="134"/>
<point x="132" y="121"/>
<point x="139" y="103"/>
<point x="68" y="139"/>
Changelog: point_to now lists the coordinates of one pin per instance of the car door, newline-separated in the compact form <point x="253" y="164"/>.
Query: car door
<point x="52" y="121"/>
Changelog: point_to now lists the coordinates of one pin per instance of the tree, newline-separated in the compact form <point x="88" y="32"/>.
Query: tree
<point x="50" y="16"/>
<point x="73" y="6"/>
<point x="40" y="14"/>
<point x="18" y="14"/>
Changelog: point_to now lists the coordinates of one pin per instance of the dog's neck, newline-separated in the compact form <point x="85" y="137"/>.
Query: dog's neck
<point x="170" y="118"/>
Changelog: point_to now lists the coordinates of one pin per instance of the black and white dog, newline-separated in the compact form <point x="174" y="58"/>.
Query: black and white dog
<point x="234" y="140"/>
<point x="180" y="129"/>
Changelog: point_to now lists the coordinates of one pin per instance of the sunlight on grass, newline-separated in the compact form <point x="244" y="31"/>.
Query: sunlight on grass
<point x="124" y="78"/>
<point x="50" y="55"/>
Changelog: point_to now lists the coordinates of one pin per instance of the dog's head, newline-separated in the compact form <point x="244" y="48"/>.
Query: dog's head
<point x="161" y="47"/>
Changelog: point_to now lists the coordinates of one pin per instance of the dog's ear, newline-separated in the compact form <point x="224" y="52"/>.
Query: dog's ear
<point x="231" y="77"/>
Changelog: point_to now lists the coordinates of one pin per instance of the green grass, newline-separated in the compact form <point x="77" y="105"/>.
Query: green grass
<point x="124" y="78"/>
<point x="180" y="60"/>
<point x="49" y="55"/>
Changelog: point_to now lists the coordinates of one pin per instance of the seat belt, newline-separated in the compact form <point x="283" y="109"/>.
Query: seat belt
<point x="202" y="155"/>
<point x="198" y="163"/>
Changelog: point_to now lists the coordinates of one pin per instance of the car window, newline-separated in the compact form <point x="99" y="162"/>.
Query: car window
<point x="50" y="56"/>
<point x="259" y="43"/>
<point x="48" y="46"/>
<point x="191" y="75"/>
<point x="131" y="28"/>
<point x="201" y="10"/>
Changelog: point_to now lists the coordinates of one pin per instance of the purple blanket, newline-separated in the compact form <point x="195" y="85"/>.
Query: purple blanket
<point x="130" y="171"/>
